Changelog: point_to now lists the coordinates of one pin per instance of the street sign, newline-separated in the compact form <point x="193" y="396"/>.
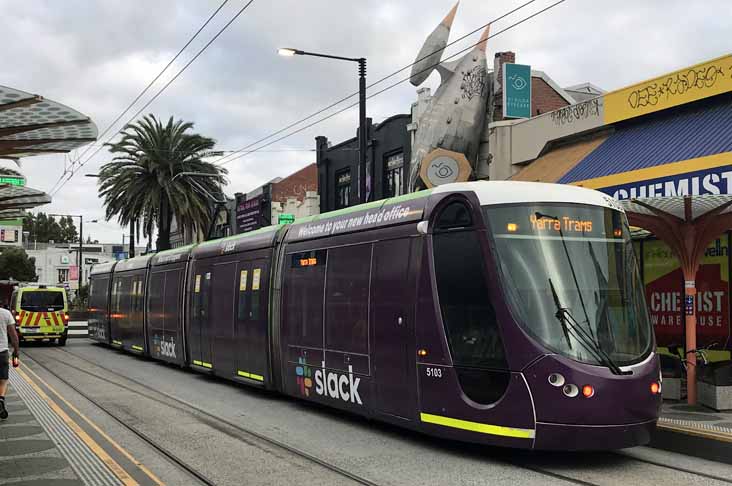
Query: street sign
<point x="286" y="218"/>
<point x="13" y="181"/>
<point x="516" y="90"/>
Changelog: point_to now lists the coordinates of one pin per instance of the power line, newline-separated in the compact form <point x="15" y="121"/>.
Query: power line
<point x="320" y="120"/>
<point x="221" y="31"/>
<point x="142" y="93"/>
<point x="379" y="81"/>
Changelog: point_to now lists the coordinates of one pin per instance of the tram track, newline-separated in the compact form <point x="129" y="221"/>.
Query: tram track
<point x="174" y="459"/>
<point x="187" y="407"/>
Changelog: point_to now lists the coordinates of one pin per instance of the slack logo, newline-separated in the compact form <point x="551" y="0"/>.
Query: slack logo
<point x="335" y="385"/>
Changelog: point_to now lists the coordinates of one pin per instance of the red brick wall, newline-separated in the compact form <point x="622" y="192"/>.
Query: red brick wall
<point x="295" y="185"/>
<point x="544" y="98"/>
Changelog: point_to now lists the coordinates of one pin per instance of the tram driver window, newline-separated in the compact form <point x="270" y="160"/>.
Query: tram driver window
<point x="468" y="315"/>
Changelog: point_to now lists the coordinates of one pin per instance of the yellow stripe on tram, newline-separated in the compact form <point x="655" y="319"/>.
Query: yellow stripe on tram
<point x="207" y="365"/>
<point x="477" y="426"/>
<point x="136" y="347"/>
<point x="117" y="343"/>
<point x="197" y="363"/>
<point x="252" y="376"/>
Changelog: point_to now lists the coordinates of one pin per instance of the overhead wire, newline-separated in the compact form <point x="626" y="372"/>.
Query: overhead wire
<point x="377" y="82"/>
<point x="142" y="93"/>
<point x="320" y="120"/>
<point x="151" y="100"/>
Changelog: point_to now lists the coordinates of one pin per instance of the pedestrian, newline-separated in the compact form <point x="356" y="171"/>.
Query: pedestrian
<point x="7" y="333"/>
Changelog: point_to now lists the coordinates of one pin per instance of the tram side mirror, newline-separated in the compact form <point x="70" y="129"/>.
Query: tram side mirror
<point x="422" y="227"/>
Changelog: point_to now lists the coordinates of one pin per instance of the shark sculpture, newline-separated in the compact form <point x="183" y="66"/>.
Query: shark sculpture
<point x="448" y="132"/>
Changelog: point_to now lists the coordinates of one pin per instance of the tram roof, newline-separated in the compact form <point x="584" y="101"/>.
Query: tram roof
<point x="174" y="255"/>
<point x="133" y="263"/>
<point x="251" y="240"/>
<point x="509" y="192"/>
<point x="102" y="268"/>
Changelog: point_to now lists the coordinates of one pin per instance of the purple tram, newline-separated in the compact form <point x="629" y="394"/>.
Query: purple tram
<point x="503" y="313"/>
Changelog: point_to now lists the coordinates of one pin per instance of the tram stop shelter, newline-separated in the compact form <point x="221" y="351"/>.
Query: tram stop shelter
<point x="663" y="148"/>
<point x="32" y="125"/>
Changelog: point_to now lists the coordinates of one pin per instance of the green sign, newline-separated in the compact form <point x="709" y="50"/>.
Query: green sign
<point x="516" y="91"/>
<point x="13" y="181"/>
<point x="286" y="218"/>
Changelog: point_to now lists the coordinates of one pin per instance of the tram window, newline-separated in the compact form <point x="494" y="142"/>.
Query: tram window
<point x="347" y="298"/>
<point x="304" y="305"/>
<point x="455" y="215"/>
<point x="155" y="299"/>
<point x="256" y="294"/>
<point x="241" y="305"/>
<point x="468" y="315"/>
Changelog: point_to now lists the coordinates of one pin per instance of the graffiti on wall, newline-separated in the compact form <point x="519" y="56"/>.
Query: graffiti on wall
<point x="675" y="85"/>
<point x="577" y="112"/>
<point x="683" y="86"/>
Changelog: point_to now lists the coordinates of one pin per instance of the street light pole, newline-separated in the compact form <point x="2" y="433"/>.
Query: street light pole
<point x="362" y="128"/>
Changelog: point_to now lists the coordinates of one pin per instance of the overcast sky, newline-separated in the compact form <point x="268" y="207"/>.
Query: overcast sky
<point x="96" y="56"/>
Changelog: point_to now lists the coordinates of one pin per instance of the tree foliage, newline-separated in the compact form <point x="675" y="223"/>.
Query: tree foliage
<point x="15" y="264"/>
<point x="140" y="186"/>
<point x="44" y="228"/>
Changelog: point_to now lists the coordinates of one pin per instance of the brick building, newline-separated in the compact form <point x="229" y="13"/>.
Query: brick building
<point x="294" y="196"/>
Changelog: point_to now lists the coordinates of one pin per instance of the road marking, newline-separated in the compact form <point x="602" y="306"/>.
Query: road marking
<point x="94" y="426"/>
<point x="477" y="426"/>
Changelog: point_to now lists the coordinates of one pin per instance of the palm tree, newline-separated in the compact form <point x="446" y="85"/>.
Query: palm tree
<point x="139" y="186"/>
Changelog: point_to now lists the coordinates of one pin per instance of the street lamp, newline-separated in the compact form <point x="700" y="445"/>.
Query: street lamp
<point x="288" y="51"/>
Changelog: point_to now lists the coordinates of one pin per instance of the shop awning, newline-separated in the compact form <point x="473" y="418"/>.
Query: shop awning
<point x="660" y="146"/>
<point x="20" y="197"/>
<point x="32" y="125"/>
<point x="551" y="166"/>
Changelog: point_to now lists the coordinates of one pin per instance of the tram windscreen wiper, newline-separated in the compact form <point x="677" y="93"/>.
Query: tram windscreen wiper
<point x="568" y="323"/>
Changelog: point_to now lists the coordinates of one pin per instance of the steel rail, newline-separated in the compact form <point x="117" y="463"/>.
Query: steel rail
<point x="539" y="470"/>
<point x="188" y="407"/>
<point x="153" y="443"/>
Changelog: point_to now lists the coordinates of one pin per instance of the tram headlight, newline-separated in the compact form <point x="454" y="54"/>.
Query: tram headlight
<point x="570" y="390"/>
<point x="655" y="388"/>
<point x="556" y="379"/>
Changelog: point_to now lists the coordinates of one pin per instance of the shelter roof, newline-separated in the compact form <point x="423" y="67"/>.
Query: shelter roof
<point x="14" y="197"/>
<point x="33" y="125"/>
<point x="678" y="206"/>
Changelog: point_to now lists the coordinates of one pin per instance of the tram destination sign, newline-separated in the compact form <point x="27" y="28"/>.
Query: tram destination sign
<point x="396" y="213"/>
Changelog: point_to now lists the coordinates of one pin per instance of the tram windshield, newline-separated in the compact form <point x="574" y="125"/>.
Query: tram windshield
<point x="569" y="262"/>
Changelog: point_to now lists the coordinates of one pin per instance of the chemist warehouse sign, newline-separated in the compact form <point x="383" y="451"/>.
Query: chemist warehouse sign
<point x="709" y="175"/>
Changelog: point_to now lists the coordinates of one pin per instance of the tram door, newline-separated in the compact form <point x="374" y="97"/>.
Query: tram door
<point x="251" y="319"/>
<point x="392" y="298"/>
<point x="200" y="335"/>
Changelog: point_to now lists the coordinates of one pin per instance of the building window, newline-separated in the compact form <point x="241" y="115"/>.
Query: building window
<point x="394" y="178"/>
<point x="343" y="189"/>
<point x="63" y="275"/>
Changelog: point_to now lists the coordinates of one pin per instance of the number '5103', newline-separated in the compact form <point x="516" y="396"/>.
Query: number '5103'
<point x="434" y="372"/>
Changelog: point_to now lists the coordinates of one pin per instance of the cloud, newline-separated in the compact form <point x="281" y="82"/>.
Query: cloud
<point x="97" y="56"/>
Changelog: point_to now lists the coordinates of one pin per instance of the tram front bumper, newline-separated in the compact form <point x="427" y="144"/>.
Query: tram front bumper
<point x="592" y="437"/>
